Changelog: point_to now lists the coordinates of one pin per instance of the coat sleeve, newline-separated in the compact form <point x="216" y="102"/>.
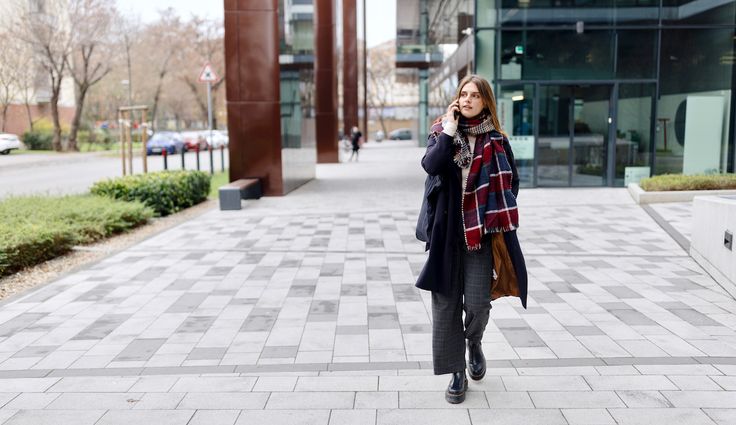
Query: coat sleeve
<point x="515" y="179"/>
<point x="438" y="157"/>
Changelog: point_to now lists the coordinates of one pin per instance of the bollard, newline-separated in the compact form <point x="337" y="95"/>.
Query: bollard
<point x="197" y="151"/>
<point x="183" y="165"/>
<point x="165" y="152"/>
<point x="222" y="157"/>
<point x="212" y="161"/>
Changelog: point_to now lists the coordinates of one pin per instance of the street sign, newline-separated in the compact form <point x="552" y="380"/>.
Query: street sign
<point x="208" y="75"/>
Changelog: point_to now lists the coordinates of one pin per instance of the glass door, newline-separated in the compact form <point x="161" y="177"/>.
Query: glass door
<point x="573" y="135"/>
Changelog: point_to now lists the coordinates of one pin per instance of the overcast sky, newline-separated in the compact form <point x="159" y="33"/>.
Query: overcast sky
<point x="381" y="13"/>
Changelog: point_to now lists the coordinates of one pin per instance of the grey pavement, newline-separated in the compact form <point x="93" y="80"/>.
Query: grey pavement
<point x="74" y="173"/>
<point x="302" y="310"/>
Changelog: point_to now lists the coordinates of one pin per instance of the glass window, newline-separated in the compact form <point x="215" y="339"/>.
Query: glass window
<point x="635" y="56"/>
<point x="693" y="12"/>
<point x="530" y="13"/>
<point x="633" y="129"/>
<point x="694" y="103"/>
<point x="297" y="90"/>
<point x="485" y="14"/>
<point x="485" y="49"/>
<point x="558" y="54"/>
<point x="515" y="112"/>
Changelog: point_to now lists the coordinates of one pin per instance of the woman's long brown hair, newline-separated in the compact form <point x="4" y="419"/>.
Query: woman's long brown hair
<point x="486" y="94"/>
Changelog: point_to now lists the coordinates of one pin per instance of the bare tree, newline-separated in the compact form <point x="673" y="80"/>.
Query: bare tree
<point x="381" y="71"/>
<point x="9" y="72"/>
<point x="46" y="28"/>
<point x="162" y="40"/>
<point x="208" y="42"/>
<point x="89" y="61"/>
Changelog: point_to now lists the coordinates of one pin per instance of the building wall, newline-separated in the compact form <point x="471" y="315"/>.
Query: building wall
<point x="17" y="119"/>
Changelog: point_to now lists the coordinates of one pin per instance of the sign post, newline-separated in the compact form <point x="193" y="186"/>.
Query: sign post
<point x="209" y="76"/>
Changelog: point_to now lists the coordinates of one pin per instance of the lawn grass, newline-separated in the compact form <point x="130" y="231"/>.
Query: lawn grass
<point x="218" y="179"/>
<point x="670" y="182"/>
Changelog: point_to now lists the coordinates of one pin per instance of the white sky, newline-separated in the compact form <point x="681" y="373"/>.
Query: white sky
<point x="381" y="14"/>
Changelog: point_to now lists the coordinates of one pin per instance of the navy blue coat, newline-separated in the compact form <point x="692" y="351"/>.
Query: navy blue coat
<point x="440" y="225"/>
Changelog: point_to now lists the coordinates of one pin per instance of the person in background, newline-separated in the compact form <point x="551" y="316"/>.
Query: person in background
<point x="355" y="139"/>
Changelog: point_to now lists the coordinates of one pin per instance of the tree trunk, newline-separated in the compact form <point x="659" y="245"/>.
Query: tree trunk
<point x="81" y="94"/>
<point x="154" y="108"/>
<point x="5" y="117"/>
<point x="30" y="117"/>
<point x="56" y="141"/>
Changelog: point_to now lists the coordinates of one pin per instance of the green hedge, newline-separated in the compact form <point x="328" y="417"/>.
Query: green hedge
<point x="36" y="229"/>
<point x="166" y="192"/>
<point x="667" y="182"/>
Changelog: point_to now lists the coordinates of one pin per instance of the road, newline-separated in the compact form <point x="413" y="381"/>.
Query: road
<point x="61" y="174"/>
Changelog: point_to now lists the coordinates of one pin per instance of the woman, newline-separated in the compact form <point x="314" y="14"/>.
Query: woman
<point x="470" y="229"/>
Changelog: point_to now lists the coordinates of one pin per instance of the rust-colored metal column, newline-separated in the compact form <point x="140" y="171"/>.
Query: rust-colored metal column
<point x="325" y="70"/>
<point x="350" y="66"/>
<point x="252" y="72"/>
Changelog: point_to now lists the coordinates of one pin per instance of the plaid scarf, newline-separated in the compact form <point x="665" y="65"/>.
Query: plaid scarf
<point x="488" y="205"/>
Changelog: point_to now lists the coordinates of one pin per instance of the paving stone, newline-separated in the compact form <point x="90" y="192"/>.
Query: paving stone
<point x="423" y="417"/>
<point x="311" y="400"/>
<point x="670" y="416"/>
<point x="588" y="417"/>
<point x="353" y="417"/>
<point x="214" y="417"/>
<point x="576" y="399"/>
<point x="223" y="401"/>
<point x="55" y="417"/>
<point x="162" y="417"/>
<point x="284" y="417"/>
<point x="517" y="417"/>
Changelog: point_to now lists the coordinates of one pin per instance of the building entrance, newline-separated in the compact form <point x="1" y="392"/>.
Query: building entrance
<point x="573" y="135"/>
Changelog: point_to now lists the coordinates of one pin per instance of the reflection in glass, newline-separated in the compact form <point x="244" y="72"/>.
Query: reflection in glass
<point x="633" y="128"/>
<point x="540" y="55"/>
<point x="695" y="63"/>
<point x="515" y="103"/>
<point x="296" y="57"/>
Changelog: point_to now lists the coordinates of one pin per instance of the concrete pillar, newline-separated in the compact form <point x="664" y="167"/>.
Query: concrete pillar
<point x="326" y="81"/>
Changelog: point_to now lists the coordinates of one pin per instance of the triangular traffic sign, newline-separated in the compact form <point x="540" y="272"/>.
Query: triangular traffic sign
<point x="208" y="74"/>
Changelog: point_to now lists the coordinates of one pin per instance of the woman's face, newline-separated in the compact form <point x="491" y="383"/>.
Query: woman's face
<point x="471" y="103"/>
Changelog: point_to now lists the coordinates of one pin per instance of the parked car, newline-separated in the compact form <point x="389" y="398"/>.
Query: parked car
<point x="193" y="140"/>
<point x="219" y="138"/>
<point x="8" y="142"/>
<point x="168" y="141"/>
<point x="400" y="134"/>
<point x="379" y="135"/>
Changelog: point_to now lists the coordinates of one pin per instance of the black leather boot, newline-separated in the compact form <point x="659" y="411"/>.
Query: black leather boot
<point x="456" y="390"/>
<point x="476" y="361"/>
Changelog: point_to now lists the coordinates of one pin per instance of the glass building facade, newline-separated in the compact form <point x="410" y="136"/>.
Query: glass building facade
<point x="596" y="92"/>
<point x="297" y="92"/>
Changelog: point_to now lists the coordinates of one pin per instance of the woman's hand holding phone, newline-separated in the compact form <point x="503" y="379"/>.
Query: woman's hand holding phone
<point x="453" y="111"/>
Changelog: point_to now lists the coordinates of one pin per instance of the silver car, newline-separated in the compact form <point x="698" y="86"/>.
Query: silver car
<point x="8" y="142"/>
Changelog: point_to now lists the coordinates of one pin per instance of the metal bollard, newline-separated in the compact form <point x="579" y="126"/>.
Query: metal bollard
<point x="197" y="151"/>
<point x="183" y="165"/>
<point x="212" y="162"/>
<point x="165" y="152"/>
<point x="222" y="157"/>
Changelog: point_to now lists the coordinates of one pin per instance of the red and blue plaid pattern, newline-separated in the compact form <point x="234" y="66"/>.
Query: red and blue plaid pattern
<point x="489" y="206"/>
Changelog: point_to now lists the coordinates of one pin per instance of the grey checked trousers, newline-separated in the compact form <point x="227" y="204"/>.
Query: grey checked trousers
<point x="470" y="293"/>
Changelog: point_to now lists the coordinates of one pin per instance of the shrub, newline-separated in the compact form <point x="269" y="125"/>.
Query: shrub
<point x="36" y="229"/>
<point x="37" y="141"/>
<point x="165" y="192"/>
<point x="667" y="182"/>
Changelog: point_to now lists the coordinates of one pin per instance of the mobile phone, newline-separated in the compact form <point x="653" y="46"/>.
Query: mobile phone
<point x="457" y="113"/>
